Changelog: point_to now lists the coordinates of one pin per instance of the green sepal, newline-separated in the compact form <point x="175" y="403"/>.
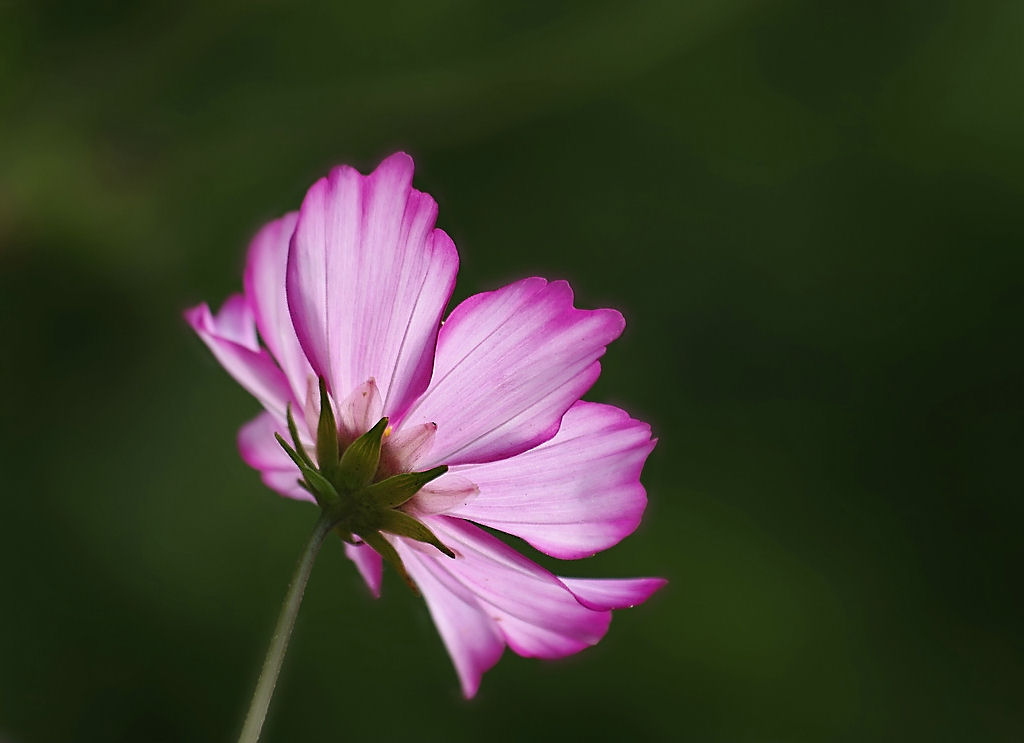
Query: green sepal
<point x="292" y="454"/>
<point x="319" y="486"/>
<point x="326" y="434"/>
<point x="359" y="462"/>
<point x="383" y="548"/>
<point x="346" y="536"/>
<point x="320" y="499"/>
<point x="296" y="441"/>
<point x="323" y="487"/>
<point x="397" y="522"/>
<point x="397" y="489"/>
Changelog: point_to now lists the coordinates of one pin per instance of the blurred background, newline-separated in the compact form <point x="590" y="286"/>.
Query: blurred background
<point x="810" y="214"/>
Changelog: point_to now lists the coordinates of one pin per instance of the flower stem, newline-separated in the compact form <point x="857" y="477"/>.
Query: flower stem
<point x="282" y="633"/>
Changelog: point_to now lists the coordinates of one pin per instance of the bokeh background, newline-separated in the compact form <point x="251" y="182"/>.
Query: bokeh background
<point x="810" y="214"/>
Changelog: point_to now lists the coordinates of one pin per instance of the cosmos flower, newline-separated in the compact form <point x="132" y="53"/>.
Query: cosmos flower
<point x="433" y="428"/>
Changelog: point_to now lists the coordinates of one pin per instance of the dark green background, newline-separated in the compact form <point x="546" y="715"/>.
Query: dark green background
<point x="810" y="214"/>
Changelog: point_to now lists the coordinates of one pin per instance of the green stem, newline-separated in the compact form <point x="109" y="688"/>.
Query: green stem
<point x="282" y="633"/>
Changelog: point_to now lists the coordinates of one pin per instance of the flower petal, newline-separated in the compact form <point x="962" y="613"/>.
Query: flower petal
<point x="231" y="336"/>
<point x="358" y="412"/>
<point x="613" y="593"/>
<point x="469" y="634"/>
<point x="260" y="450"/>
<point x="574" y="495"/>
<point x="235" y="322"/>
<point x="286" y="483"/>
<point x="403" y="449"/>
<point x="511" y="586"/>
<point x="509" y="364"/>
<point x="369" y="564"/>
<point x="531" y="609"/>
<point x="442" y="495"/>
<point x="367" y="280"/>
<point x="264" y="280"/>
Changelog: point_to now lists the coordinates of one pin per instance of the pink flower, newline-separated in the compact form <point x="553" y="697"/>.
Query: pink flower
<point x="351" y="289"/>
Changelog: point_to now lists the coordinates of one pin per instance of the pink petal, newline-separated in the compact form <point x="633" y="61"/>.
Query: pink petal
<point x="510" y="585"/>
<point x="367" y="280"/>
<point x="369" y="564"/>
<point x="260" y="450"/>
<point x="405" y="447"/>
<point x="572" y="496"/>
<point x="231" y="336"/>
<point x="358" y="412"/>
<point x="509" y="364"/>
<point x="531" y="609"/>
<point x="235" y="322"/>
<point x="258" y="447"/>
<point x="469" y="634"/>
<point x="531" y="640"/>
<point x="264" y="279"/>
<point x="613" y="593"/>
<point x="447" y="493"/>
<point x="286" y="483"/>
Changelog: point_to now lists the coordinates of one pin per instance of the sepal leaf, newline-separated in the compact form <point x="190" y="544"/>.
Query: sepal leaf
<point x="397" y="489"/>
<point x="318" y="485"/>
<point x="397" y="522"/>
<point x="383" y="548"/>
<point x="326" y="434"/>
<point x="296" y="441"/>
<point x="346" y="535"/>
<point x="359" y="462"/>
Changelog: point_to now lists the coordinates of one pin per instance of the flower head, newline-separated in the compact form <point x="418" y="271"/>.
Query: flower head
<point x="414" y="431"/>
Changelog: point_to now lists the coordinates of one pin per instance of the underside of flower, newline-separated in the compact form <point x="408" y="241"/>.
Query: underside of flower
<point x="411" y="429"/>
<point x="347" y="483"/>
